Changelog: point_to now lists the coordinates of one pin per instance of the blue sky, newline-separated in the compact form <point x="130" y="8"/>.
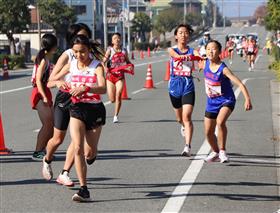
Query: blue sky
<point x="247" y="7"/>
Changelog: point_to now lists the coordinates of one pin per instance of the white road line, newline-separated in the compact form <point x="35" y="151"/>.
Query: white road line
<point x="180" y="193"/>
<point x="15" y="90"/>
<point x="27" y="87"/>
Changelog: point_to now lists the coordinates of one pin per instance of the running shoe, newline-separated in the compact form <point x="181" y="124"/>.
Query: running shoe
<point x="115" y="119"/>
<point x="183" y="131"/>
<point x="223" y="156"/>
<point x="82" y="196"/>
<point x="187" y="151"/>
<point x="38" y="156"/>
<point x="47" y="170"/>
<point x="230" y="62"/>
<point x="90" y="161"/>
<point x="211" y="157"/>
<point x="64" y="179"/>
<point x="250" y="69"/>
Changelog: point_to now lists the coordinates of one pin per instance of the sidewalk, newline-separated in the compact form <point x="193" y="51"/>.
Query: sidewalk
<point x="275" y="99"/>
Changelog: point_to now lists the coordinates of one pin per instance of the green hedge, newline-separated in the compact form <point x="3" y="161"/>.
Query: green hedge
<point x="14" y="61"/>
<point x="275" y="66"/>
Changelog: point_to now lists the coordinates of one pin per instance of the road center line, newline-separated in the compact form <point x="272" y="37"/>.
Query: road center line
<point x="180" y="193"/>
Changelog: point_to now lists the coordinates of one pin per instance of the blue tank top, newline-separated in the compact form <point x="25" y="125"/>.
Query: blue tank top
<point x="217" y="84"/>
<point x="181" y="85"/>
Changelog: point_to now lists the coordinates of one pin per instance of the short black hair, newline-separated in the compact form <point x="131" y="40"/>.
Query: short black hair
<point x="187" y="26"/>
<point x="217" y="43"/>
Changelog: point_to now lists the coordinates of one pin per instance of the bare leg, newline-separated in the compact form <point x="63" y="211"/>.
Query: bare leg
<point x="222" y="128"/>
<point x="111" y="90"/>
<point x="54" y="142"/>
<point x="187" y="121"/>
<point x="209" y="126"/>
<point x="91" y="146"/>
<point x="118" y="98"/>
<point x="46" y="116"/>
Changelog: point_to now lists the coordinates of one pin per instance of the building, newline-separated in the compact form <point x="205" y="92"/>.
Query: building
<point x="192" y="6"/>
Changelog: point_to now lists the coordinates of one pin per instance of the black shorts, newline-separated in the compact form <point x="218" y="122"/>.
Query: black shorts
<point x="250" y="53"/>
<point x="214" y="115"/>
<point x="61" y="110"/>
<point x="185" y="99"/>
<point x="93" y="115"/>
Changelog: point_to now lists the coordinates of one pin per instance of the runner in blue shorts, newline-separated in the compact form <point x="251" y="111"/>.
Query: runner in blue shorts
<point x="220" y="100"/>
<point x="181" y="86"/>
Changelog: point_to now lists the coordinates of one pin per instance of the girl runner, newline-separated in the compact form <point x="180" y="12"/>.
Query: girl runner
<point x="116" y="56"/>
<point x="181" y="85"/>
<point x="41" y="97"/>
<point x="220" y="100"/>
<point x="61" y="111"/>
<point x="87" y="112"/>
<point x="251" y="52"/>
<point x="230" y="47"/>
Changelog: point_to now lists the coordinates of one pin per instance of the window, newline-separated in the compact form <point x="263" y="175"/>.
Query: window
<point x="80" y="9"/>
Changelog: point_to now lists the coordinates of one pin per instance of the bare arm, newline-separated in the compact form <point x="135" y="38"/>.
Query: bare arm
<point x="61" y="62"/>
<point x="39" y="74"/>
<point x="238" y="82"/>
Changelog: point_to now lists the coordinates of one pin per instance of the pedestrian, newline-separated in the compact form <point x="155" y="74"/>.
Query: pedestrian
<point x="116" y="56"/>
<point x="220" y="100"/>
<point x="181" y="86"/>
<point x="62" y="113"/>
<point x="87" y="112"/>
<point x="268" y="46"/>
<point x="41" y="97"/>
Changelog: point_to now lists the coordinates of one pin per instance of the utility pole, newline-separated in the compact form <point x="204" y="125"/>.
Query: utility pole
<point x="239" y="11"/>
<point x="224" y="18"/>
<point x="93" y="18"/>
<point x="185" y="11"/>
<point x="105" y="23"/>
<point x="128" y="27"/>
<point x="214" y="14"/>
<point x="123" y="24"/>
<point x="38" y="24"/>
<point x="137" y="6"/>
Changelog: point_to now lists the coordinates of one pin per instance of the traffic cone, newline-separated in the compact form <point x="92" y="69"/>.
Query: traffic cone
<point x="5" y="69"/>
<point x="3" y="149"/>
<point x="149" y="52"/>
<point x="132" y="55"/>
<point x="124" y="92"/>
<point x="142" y="54"/>
<point x="149" y="84"/>
<point x="167" y="73"/>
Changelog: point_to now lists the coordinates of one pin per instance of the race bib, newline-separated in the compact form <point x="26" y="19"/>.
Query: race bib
<point x="182" y="67"/>
<point x="213" y="89"/>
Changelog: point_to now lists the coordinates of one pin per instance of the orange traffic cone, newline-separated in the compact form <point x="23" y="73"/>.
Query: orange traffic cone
<point x="5" y="69"/>
<point x="132" y="55"/>
<point x="142" y="54"/>
<point x="167" y="73"/>
<point x="124" y="92"/>
<point x="149" y="84"/>
<point x="149" y="52"/>
<point x="3" y="149"/>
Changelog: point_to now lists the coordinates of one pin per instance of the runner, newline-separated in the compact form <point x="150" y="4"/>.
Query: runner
<point x="203" y="42"/>
<point x="244" y="44"/>
<point x="61" y="111"/>
<point x="41" y="97"/>
<point x="230" y="48"/>
<point x="87" y="112"/>
<point x="252" y="51"/>
<point x="181" y="85"/>
<point x="115" y="56"/>
<point x="220" y="100"/>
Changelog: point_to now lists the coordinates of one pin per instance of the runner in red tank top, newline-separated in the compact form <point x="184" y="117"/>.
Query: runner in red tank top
<point x="115" y="56"/>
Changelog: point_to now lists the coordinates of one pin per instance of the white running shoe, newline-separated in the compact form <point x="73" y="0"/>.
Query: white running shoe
<point x="223" y="156"/>
<point x="47" y="170"/>
<point x="115" y="119"/>
<point x="183" y="131"/>
<point x="64" y="179"/>
<point x="211" y="157"/>
<point x="250" y="69"/>
<point x="187" y="151"/>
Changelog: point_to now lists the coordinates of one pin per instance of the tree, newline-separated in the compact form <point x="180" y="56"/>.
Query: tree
<point x="272" y="19"/>
<point x="141" y="24"/>
<point x="58" y="15"/>
<point x="14" y="18"/>
<point x="260" y="14"/>
<point x="167" y="20"/>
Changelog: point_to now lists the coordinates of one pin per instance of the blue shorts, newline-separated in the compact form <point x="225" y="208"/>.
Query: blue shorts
<point x="214" y="105"/>
<point x="179" y="86"/>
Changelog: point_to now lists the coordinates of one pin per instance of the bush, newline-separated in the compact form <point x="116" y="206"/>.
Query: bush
<point x="14" y="61"/>
<point x="275" y="66"/>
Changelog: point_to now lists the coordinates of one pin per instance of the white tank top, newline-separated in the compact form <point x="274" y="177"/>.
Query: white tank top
<point x="71" y="57"/>
<point x="85" y="78"/>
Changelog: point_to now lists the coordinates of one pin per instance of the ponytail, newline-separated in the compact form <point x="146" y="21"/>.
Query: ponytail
<point x="97" y="50"/>
<point x="41" y="54"/>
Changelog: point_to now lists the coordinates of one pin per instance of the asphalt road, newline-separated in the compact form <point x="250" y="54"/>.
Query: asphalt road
<point x="139" y="167"/>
